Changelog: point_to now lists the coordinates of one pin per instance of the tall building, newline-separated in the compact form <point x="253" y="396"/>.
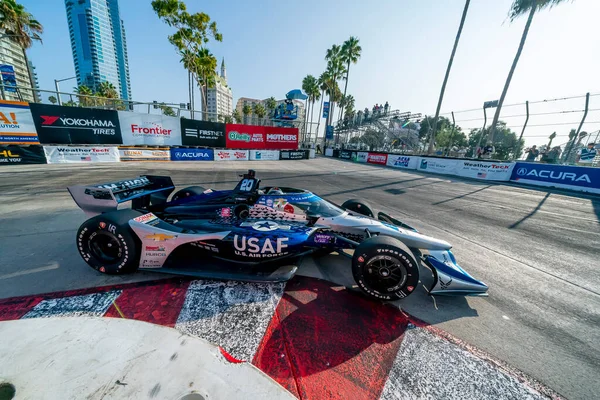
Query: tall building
<point x="11" y="54"/>
<point x="98" y="44"/>
<point x="35" y="82"/>
<point x="219" y="98"/>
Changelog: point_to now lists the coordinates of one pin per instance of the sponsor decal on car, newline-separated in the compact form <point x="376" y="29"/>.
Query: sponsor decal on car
<point x="155" y="248"/>
<point x="124" y="185"/>
<point x="160" y="237"/>
<point x="266" y="226"/>
<point x="253" y="247"/>
<point x="324" y="238"/>
<point x="144" y="219"/>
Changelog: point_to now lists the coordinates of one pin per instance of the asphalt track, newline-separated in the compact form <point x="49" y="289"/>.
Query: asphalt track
<point x="535" y="249"/>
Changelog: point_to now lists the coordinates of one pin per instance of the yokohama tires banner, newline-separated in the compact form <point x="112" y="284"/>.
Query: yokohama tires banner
<point x="13" y="154"/>
<point x="16" y="123"/>
<point x="80" y="155"/>
<point x="75" y="125"/>
<point x="150" y="129"/>
<point x="139" y="154"/>
<point x="245" y="136"/>
<point x="231" y="155"/>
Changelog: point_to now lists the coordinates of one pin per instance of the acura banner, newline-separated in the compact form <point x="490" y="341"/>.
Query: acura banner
<point x="75" y="125"/>
<point x="149" y="129"/>
<point x="13" y="154"/>
<point x="202" y="133"/>
<point x="182" y="154"/>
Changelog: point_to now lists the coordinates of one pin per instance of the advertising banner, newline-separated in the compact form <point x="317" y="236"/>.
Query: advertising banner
<point x="329" y="152"/>
<point x="192" y="154"/>
<point x="345" y="154"/>
<point x="75" y="125"/>
<point x="150" y="129"/>
<point x="329" y="132"/>
<point x="312" y="153"/>
<point x="486" y="170"/>
<point x="16" y="123"/>
<point x="401" y="161"/>
<point x="360" y="156"/>
<point x="231" y="155"/>
<point x="281" y="138"/>
<point x="9" y="78"/>
<point x="244" y="136"/>
<point x="65" y="155"/>
<point x="438" y="165"/>
<point x="202" y="133"/>
<point x="377" y="158"/>
<point x="293" y="155"/>
<point x="264" y="155"/>
<point x="586" y="179"/>
<point x="13" y="154"/>
<point x="139" y="154"/>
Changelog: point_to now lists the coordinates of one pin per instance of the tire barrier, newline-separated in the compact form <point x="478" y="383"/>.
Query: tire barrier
<point x="584" y="179"/>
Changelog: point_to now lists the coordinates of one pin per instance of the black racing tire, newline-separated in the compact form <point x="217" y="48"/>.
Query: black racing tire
<point x="107" y="243"/>
<point x="385" y="269"/>
<point x="359" y="207"/>
<point x="187" y="192"/>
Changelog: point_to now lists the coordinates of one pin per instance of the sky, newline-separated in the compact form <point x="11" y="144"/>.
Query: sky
<point x="270" y="46"/>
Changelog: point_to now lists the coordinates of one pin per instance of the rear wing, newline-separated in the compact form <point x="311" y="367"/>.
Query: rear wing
<point x="141" y="191"/>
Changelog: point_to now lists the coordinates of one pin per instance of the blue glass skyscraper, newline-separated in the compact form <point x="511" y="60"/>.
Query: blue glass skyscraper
<point x="98" y="44"/>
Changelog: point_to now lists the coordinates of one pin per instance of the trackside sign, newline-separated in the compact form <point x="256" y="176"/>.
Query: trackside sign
<point x="585" y="179"/>
<point x="485" y="170"/>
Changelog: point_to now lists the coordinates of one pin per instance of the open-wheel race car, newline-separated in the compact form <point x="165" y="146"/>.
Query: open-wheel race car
<point x="255" y="234"/>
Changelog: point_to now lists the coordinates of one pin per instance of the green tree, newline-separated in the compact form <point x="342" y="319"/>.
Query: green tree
<point x="441" y="98"/>
<point x="505" y="142"/>
<point x="322" y="82"/>
<point x="84" y="94"/>
<point x="260" y="112"/>
<point x="519" y="8"/>
<point x="373" y="138"/>
<point x="335" y="70"/>
<point x="70" y="103"/>
<point x="193" y="32"/>
<point x="246" y="110"/>
<point x="351" y="52"/>
<point x="19" y="25"/>
<point x="236" y="117"/>
<point x="166" y="110"/>
<point x="310" y="86"/>
<point x="52" y="99"/>
<point x="228" y="119"/>
<point x="271" y="103"/>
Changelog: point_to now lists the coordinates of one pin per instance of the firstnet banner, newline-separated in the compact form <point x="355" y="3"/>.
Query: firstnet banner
<point x="79" y="155"/>
<point x="485" y="170"/>
<point x="586" y="179"/>
<point x="16" y="123"/>
<point x="231" y="155"/>
<point x="149" y="129"/>
<point x="401" y="161"/>
<point x="264" y="155"/>
<point x="137" y="154"/>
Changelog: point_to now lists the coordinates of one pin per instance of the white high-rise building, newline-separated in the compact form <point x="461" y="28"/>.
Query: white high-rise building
<point x="219" y="98"/>
<point x="12" y="54"/>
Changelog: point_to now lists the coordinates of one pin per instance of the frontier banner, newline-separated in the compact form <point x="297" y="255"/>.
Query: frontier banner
<point x="13" y="154"/>
<point x="71" y="154"/>
<point x="140" y="154"/>
<point x="202" y="133"/>
<point x="149" y="129"/>
<point x="16" y="123"/>
<point x="75" y="125"/>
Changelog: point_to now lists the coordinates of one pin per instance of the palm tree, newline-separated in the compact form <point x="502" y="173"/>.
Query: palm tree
<point x="309" y="86"/>
<point x="439" y="105"/>
<point x="271" y="103"/>
<point x="206" y="66"/>
<point x="246" y="110"/>
<point x="19" y="25"/>
<point x="236" y="116"/>
<point x="189" y="61"/>
<point x="260" y="112"/>
<point x="351" y="52"/>
<point x="314" y="94"/>
<point x="83" y="95"/>
<point x="52" y="99"/>
<point x="322" y="82"/>
<point x="335" y="69"/>
<point x="107" y="90"/>
<point x="518" y="8"/>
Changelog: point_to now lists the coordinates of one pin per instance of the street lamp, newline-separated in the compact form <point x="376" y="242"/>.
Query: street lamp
<point x="57" y="88"/>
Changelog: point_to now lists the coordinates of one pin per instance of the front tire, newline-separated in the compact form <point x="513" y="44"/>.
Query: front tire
<point x="385" y="268"/>
<point x="107" y="243"/>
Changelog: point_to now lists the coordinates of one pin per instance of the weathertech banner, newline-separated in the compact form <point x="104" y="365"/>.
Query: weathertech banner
<point x="140" y="154"/>
<point x="377" y="158"/>
<point x="245" y="136"/>
<point x="231" y="155"/>
<point x="14" y="154"/>
<point x="264" y="155"/>
<point x="16" y="123"/>
<point x="486" y="170"/>
<point x="150" y="129"/>
<point x="202" y="133"/>
<point x="281" y="138"/>
<point x="71" y="154"/>
<point x="75" y="125"/>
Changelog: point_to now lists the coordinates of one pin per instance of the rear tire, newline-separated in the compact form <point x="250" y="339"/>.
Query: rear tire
<point x="359" y="207"/>
<point x="107" y="243"/>
<point x="385" y="268"/>
<point x="188" y="192"/>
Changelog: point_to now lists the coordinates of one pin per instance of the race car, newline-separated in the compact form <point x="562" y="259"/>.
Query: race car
<point x="255" y="234"/>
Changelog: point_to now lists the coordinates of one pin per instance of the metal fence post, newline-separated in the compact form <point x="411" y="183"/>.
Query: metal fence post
<point x="482" y="131"/>
<point x="452" y="134"/>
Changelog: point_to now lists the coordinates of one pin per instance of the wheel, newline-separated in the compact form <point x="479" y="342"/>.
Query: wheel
<point x="359" y="206"/>
<point x="107" y="243"/>
<point x="385" y="269"/>
<point x="187" y="192"/>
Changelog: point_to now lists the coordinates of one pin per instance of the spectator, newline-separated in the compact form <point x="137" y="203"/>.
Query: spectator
<point x="319" y="149"/>
<point x="532" y="153"/>
<point x="487" y="151"/>
<point x="386" y="107"/>
<point x="586" y="156"/>
<point x="374" y="109"/>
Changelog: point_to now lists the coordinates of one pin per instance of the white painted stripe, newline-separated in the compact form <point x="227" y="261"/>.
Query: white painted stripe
<point x="30" y="271"/>
<point x="93" y="305"/>
<point x="233" y="315"/>
<point x="429" y="367"/>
